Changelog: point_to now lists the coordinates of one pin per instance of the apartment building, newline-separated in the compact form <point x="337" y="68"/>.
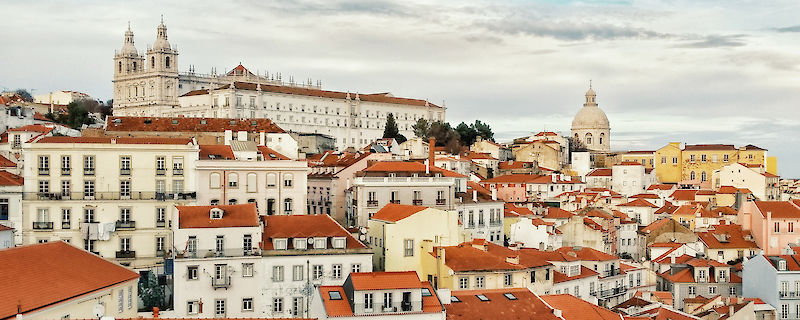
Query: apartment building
<point x="11" y="188"/>
<point x="110" y="196"/>
<point x="480" y="214"/>
<point x="699" y="277"/>
<point x="775" y="279"/>
<point x="771" y="223"/>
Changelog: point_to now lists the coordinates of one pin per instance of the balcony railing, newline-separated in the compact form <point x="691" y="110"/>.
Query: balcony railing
<point x="495" y="223"/>
<point x="124" y="172"/>
<point x="177" y="171"/>
<point x="42" y="225"/>
<point x="66" y="171"/>
<point x="417" y="202"/>
<point x="161" y="172"/>
<point x="394" y="201"/>
<point x="65" y="225"/>
<point x="372" y="203"/>
<point x="44" y="171"/>
<point x="612" y="272"/>
<point x="126" y="224"/>
<point x="161" y="224"/>
<point x="140" y="195"/>
<point x="223" y="282"/>
<point x="395" y="307"/>
<point x="201" y="254"/>
<point x="126" y="254"/>
<point x="608" y="293"/>
<point x="441" y="202"/>
<point x="88" y="171"/>
<point x="789" y="294"/>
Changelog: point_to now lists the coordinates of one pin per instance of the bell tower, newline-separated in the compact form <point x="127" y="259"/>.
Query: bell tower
<point x="162" y="69"/>
<point x="128" y="66"/>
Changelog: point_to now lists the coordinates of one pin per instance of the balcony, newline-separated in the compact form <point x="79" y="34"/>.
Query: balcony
<point x="88" y="171"/>
<point x="125" y="172"/>
<point x="65" y="225"/>
<point x="608" y="293"/>
<point x="441" y="202"/>
<point x="611" y="273"/>
<point x="126" y="224"/>
<point x="417" y="202"/>
<point x="141" y="195"/>
<point x="223" y="282"/>
<point x="42" y="225"/>
<point x="126" y="254"/>
<point x="44" y="171"/>
<point x="789" y="294"/>
<point x="395" y="308"/>
<point x="177" y="172"/>
<point x="161" y="224"/>
<point x="372" y="203"/>
<point x="161" y="172"/>
<point x="66" y="171"/>
<point x="394" y="201"/>
<point x="203" y="254"/>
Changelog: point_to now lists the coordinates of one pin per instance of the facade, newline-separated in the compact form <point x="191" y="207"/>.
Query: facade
<point x="545" y="153"/>
<point x="217" y="261"/>
<point x="117" y="202"/>
<point x="631" y="241"/>
<point x="771" y="223"/>
<point x="494" y="149"/>
<point x="300" y="253"/>
<point x="513" y="303"/>
<point x="775" y="279"/>
<point x="60" y="97"/>
<point x="590" y="125"/>
<point x="698" y="277"/>
<point x="764" y="185"/>
<point x="480" y="215"/>
<point x="600" y="178"/>
<point x="630" y="178"/>
<point x="244" y="172"/>
<point x="378" y="295"/>
<point x="58" y="281"/>
<point x="695" y="163"/>
<point x="11" y="190"/>
<point x="727" y="243"/>
<point x="639" y="210"/>
<point x="529" y="188"/>
<point x="645" y="158"/>
<point x="535" y="233"/>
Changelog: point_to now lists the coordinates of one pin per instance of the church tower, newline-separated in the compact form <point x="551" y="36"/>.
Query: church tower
<point x="128" y="64"/>
<point x="162" y="64"/>
<point x="590" y="126"/>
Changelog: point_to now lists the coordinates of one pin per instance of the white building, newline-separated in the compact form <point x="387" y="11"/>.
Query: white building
<point x="630" y="178"/>
<point x="535" y="233"/>
<point x="480" y="215"/>
<point x="243" y="172"/>
<point x="150" y="85"/>
<point x="640" y="210"/>
<point x="301" y="253"/>
<point x="764" y="185"/>
<point x="111" y="196"/>
<point x="11" y="187"/>
<point x="217" y="261"/>
<point x="61" y="97"/>
<point x="378" y="295"/>
<point x="590" y="125"/>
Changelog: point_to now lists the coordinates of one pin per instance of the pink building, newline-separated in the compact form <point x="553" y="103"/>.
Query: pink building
<point x="772" y="223"/>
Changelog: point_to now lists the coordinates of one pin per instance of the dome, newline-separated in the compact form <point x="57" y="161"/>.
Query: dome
<point x="161" y="38"/>
<point x="590" y="117"/>
<point x="128" y="49"/>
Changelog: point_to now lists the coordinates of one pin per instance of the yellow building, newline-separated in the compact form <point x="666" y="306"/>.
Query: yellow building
<point x="546" y="153"/>
<point x="694" y="164"/>
<point x="646" y="158"/>
<point x="401" y="234"/>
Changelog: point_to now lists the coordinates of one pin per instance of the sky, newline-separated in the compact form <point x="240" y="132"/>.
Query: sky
<point x="691" y="71"/>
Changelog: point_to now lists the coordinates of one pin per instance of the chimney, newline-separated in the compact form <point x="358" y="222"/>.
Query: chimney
<point x="494" y="194"/>
<point x="730" y="310"/>
<point x="557" y="313"/>
<point x="262" y="138"/>
<point x="474" y="195"/>
<point x="431" y="149"/>
<point x="672" y="259"/>
<point x="554" y="177"/>
<point x="155" y="312"/>
<point x="427" y="167"/>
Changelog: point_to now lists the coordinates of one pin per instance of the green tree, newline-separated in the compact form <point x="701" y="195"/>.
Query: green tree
<point x="77" y="115"/>
<point x="445" y="136"/>
<point x="400" y="138"/>
<point x="151" y="293"/>
<point x="24" y="94"/>
<point x="421" y="128"/>
<point x="467" y="134"/>
<point x="483" y="130"/>
<point x="390" y="130"/>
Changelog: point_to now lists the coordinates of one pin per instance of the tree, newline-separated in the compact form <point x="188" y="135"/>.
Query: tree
<point x="76" y="116"/>
<point x="575" y="145"/>
<point x="24" y="94"/>
<point x="151" y="293"/>
<point x="483" y="130"/>
<point x="467" y="134"/>
<point x="400" y="138"/>
<point x="421" y="128"/>
<point x="445" y="136"/>
<point x="390" y="130"/>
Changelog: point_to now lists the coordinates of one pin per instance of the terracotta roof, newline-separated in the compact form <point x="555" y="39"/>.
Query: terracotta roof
<point x="43" y="275"/>
<point x="514" y="211"/>
<point x="524" y="305"/>
<point x="374" y="97"/>
<point x="599" y="214"/>
<point x="105" y="140"/>
<point x="507" y="165"/>
<point x="660" y="187"/>
<point x="684" y="195"/>
<point x="656" y="225"/>
<point x="304" y="226"/>
<point x="586" y="254"/>
<point x="666" y="313"/>
<point x="640" y="152"/>
<point x="727" y="190"/>
<point x="479" y="255"/>
<point x="10" y="179"/>
<point x="181" y="124"/>
<point x="559" y="277"/>
<point x="5" y="163"/>
<point x="395" y="212"/>
<point x="646" y="196"/>
<point x="639" y="202"/>
<point x="593" y="225"/>
<point x="528" y="178"/>
<point x="557" y="213"/>
<point x="5" y="228"/>
<point x="792" y="263"/>
<point x="573" y="308"/>
<point x="385" y="280"/>
<point x="779" y="209"/>
<point x="330" y="159"/>
<point x="32" y="128"/>
<point x="667" y="208"/>
<point x="602" y="172"/>
<point x="236" y="215"/>
<point x="335" y="308"/>
<point x="726" y="236"/>
<point x="480" y="155"/>
<point x="703" y="147"/>
<point x="628" y="163"/>
<point x="216" y="152"/>
<point x="408" y="166"/>
<point x="695" y="210"/>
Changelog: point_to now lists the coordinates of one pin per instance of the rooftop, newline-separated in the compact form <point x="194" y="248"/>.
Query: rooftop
<point x="104" y="140"/>
<point x="182" y="124"/>
<point x="236" y="215"/>
<point x="305" y="226"/>
<point x="512" y="303"/>
<point x="395" y="212"/>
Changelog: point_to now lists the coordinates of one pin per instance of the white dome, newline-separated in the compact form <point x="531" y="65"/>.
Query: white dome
<point x="128" y="49"/>
<point x="590" y="117"/>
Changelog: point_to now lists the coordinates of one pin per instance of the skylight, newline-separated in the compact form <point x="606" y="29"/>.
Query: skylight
<point x="335" y="295"/>
<point x="510" y="296"/>
<point x="482" y="297"/>
<point x="454" y="299"/>
<point x="426" y="292"/>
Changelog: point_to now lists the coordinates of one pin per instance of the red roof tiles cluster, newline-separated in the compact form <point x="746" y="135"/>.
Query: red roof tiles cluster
<point x="528" y="178"/>
<point x="393" y="212"/>
<point x="410" y="167"/>
<point x="601" y="172"/>
<point x="779" y="209"/>
<point x="727" y="236"/>
<point x="305" y="226"/>
<point x="638" y="202"/>
<point x="10" y="179"/>
<point x="524" y="305"/>
<point x="181" y="124"/>
<point x="104" y="140"/>
<point x="235" y="215"/>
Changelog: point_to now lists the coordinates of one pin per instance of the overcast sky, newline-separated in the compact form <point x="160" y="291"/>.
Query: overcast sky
<point x="690" y="71"/>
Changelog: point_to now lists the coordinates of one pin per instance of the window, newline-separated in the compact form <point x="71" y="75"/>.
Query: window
<point x="387" y="300"/>
<point x="44" y="186"/>
<point x="316" y="272"/>
<point x="177" y="186"/>
<point x="297" y="273"/>
<point x="320" y="243"/>
<point x="130" y="297"/>
<point x="44" y="165"/>
<point x="219" y="244"/>
<point x="88" y="188"/>
<point x="124" y="244"/>
<point x="219" y="308"/>
<point x="125" y="165"/>
<point x="297" y="306"/>
<point x="777" y="227"/>
<point x="784" y="311"/>
<point x="161" y="165"/>
<point x="712" y="290"/>
<point x="356" y="267"/>
<point x="66" y="188"/>
<point x="368" y="303"/>
<point x="177" y="166"/>
<point x="691" y="290"/>
<point x="732" y="291"/>
<point x="88" y="215"/>
<point x="790" y="227"/>
<point x="247" y="304"/>
<point x="725" y="158"/>
<point x="482" y="297"/>
<point x="287" y="180"/>
<point x="480" y="282"/>
<point x="463" y="283"/>
<point x="4" y="209"/>
<point x="508" y="280"/>
<point x="271" y="180"/>
<point x="120" y="303"/>
<point x="287" y="205"/>
<point x="88" y="165"/>
<point x="277" y="273"/>
<point x="125" y="214"/>
<point x="337" y="271"/>
<point x="161" y="215"/>
<point x="191" y="246"/>
<point x="214" y="180"/>
<point x="408" y="247"/>
<point x="334" y="295"/>
<point x="233" y="180"/>
<point x="125" y="188"/>
<point x="192" y="307"/>
<point x="160" y="243"/>
<point x="252" y="185"/>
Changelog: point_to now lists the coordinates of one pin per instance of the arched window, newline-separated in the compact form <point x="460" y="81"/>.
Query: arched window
<point x="692" y="175"/>
<point x="152" y="62"/>
<point x="251" y="182"/>
<point x="703" y="176"/>
<point x="287" y="180"/>
<point x="134" y="66"/>
<point x="233" y="180"/>
<point x="214" y="180"/>
<point x="576" y="137"/>
<point x="167" y="62"/>
<point x="602" y="135"/>
<point x="120" y="66"/>
<point x="287" y="206"/>
<point x="589" y="138"/>
<point x="232" y="201"/>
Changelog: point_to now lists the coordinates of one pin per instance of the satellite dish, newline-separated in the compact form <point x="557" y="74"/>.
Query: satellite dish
<point x="362" y="237"/>
<point x="98" y="311"/>
<point x="362" y="230"/>
<point x="310" y="240"/>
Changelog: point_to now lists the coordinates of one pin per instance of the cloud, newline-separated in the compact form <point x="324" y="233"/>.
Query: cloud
<point x="716" y="41"/>
<point x="570" y="31"/>
<point x="788" y="29"/>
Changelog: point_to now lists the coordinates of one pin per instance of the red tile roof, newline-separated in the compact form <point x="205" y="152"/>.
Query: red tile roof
<point x="335" y="308"/>
<point x="10" y="179"/>
<point x="639" y="202"/>
<point x="270" y="154"/>
<point x="408" y="166"/>
<point x="726" y="236"/>
<point x="304" y="226"/>
<point x="478" y="255"/>
<point x="656" y="225"/>
<point x="573" y="308"/>
<point x="684" y="195"/>
<point x="779" y="209"/>
<point x="646" y="196"/>
<point x="668" y="208"/>
<point x="695" y="210"/>
<point x="43" y="275"/>
<point x="528" y="178"/>
<point x="727" y="190"/>
<point x="629" y="163"/>
<point x="586" y="254"/>
<point x="660" y="187"/>
<point x="236" y="215"/>
<point x="395" y="212"/>
<point x="5" y="163"/>
<point x="602" y="172"/>
<point x="104" y="140"/>
<point x="513" y="211"/>
<point x="526" y="305"/>
<point x="507" y="165"/>
<point x="559" y="277"/>
<point x="385" y="280"/>
<point x="5" y="228"/>
<point x="216" y="152"/>
<point x="32" y="128"/>
<point x="181" y="124"/>
<point x="557" y="213"/>
<point x="703" y="147"/>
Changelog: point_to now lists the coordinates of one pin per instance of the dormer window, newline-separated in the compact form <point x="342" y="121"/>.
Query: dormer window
<point x="279" y="244"/>
<point x="339" y="242"/>
<point x="781" y="265"/>
<point x="216" y="213"/>
<point x="320" y="243"/>
<point x="300" y="243"/>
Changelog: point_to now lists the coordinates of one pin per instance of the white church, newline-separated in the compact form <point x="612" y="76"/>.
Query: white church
<point x="150" y="85"/>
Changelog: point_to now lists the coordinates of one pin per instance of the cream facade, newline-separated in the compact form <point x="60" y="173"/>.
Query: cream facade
<point x="590" y="125"/>
<point x="764" y="185"/>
